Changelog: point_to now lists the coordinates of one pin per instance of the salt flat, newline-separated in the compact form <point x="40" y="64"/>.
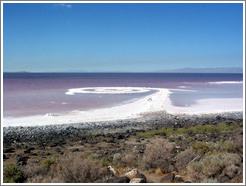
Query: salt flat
<point x="158" y="101"/>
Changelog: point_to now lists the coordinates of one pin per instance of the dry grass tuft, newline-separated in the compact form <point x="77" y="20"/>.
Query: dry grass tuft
<point x="215" y="165"/>
<point x="184" y="157"/>
<point x="157" y="152"/>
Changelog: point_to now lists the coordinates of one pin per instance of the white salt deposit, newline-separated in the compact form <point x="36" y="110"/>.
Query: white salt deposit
<point x="107" y="90"/>
<point x="225" y="82"/>
<point x="158" y="101"/>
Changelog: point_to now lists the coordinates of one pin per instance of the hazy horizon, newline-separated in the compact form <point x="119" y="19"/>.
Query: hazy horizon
<point x="182" y="70"/>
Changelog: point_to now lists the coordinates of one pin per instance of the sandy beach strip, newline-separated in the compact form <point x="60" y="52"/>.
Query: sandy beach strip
<point x="158" y="101"/>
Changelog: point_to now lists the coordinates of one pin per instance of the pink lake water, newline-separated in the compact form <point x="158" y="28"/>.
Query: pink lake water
<point x="26" y="94"/>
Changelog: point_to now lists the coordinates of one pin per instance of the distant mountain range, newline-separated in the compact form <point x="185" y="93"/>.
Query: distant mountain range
<point x="182" y="70"/>
<point x="205" y="70"/>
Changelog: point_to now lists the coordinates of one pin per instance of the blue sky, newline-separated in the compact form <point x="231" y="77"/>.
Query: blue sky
<point x="121" y="37"/>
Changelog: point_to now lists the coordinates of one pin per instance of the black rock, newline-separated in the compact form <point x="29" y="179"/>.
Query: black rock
<point x="138" y="140"/>
<point x="168" y="178"/>
<point x="239" y="132"/>
<point x="178" y="178"/>
<point x="75" y="150"/>
<point x="142" y="176"/>
<point x="53" y="145"/>
<point x="114" y="179"/>
<point x="181" y="149"/>
<point x="224" y="179"/>
<point x="22" y="160"/>
<point x="120" y="136"/>
<point x="8" y="150"/>
<point x="58" y="150"/>
<point x="29" y="149"/>
<point x="4" y="157"/>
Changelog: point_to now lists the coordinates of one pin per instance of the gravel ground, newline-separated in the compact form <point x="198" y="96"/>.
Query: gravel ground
<point x="46" y="134"/>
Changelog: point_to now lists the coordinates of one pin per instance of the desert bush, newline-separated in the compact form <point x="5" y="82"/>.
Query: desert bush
<point x="42" y="178"/>
<point x="238" y="141"/>
<point x="184" y="157"/>
<point x="78" y="169"/>
<point x="130" y="157"/>
<point x="190" y="130"/>
<point x="46" y="163"/>
<point x="34" y="170"/>
<point x="11" y="174"/>
<point x="228" y="146"/>
<point x="231" y="170"/>
<point x="219" y="164"/>
<point x="157" y="152"/>
<point x="203" y="147"/>
<point x="107" y="161"/>
<point x="117" y="156"/>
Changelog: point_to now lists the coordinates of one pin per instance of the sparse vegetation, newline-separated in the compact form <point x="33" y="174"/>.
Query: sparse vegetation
<point x="184" y="157"/>
<point x="107" y="161"/>
<point x="12" y="174"/>
<point x="199" y="129"/>
<point x="218" y="164"/>
<point x="202" y="153"/>
<point x="48" y="162"/>
<point x="78" y="169"/>
<point x="203" y="147"/>
<point x="158" y="151"/>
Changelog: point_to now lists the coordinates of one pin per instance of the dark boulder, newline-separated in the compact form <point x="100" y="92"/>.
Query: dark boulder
<point x="8" y="150"/>
<point x="115" y="179"/>
<point x="178" y="178"/>
<point x="22" y="160"/>
<point x="58" y="150"/>
<point x="120" y="136"/>
<point x="170" y="177"/>
<point x="142" y="176"/>
<point x="4" y="157"/>
<point x="75" y="150"/>
<point x="29" y="149"/>
<point x="167" y="167"/>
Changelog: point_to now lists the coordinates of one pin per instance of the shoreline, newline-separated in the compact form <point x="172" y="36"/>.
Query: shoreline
<point x="157" y="102"/>
<point x="157" y="120"/>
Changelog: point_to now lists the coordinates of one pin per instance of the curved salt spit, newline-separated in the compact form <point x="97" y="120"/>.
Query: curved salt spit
<point x="108" y="90"/>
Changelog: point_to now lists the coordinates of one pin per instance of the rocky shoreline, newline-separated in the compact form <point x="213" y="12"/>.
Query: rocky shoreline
<point x="43" y="134"/>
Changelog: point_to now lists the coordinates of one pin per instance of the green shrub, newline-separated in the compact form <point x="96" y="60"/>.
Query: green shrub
<point x="107" y="161"/>
<point x="11" y="174"/>
<point x="228" y="146"/>
<point x="221" y="127"/>
<point x="91" y="156"/>
<point x="203" y="147"/>
<point x="48" y="162"/>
